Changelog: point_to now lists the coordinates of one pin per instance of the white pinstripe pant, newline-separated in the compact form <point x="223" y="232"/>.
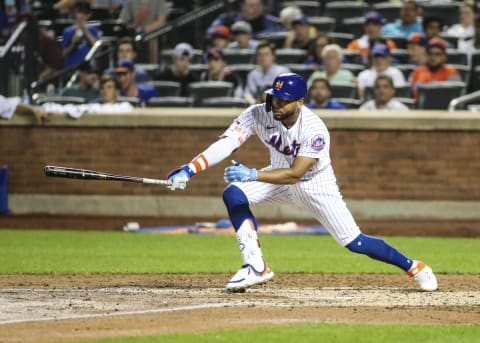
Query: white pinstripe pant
<point x="320" y="196"/>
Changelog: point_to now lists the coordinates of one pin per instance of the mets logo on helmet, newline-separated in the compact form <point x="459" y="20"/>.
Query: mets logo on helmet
<point x="278" y="85"/>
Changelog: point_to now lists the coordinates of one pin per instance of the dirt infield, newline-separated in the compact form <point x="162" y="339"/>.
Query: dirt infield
<point x="48" y="308"/>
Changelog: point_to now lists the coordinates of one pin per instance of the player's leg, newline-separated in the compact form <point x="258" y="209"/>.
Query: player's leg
<point x="237" y="198"/>
<point x="328" y="207"/>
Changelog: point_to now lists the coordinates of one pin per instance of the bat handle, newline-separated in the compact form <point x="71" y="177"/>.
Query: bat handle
<point x="155" y="181"/>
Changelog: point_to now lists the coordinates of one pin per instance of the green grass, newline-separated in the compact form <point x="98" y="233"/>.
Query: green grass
<point x="331" y="333"/>
<point x="88" y="252"/>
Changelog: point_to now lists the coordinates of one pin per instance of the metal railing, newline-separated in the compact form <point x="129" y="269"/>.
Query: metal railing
<point x="461" y="102"/>
<point x="4" y="57"/>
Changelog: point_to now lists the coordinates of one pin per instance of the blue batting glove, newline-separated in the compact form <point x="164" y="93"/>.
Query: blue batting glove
<point x="239" y="172"/>
<point x="179" y="178"/>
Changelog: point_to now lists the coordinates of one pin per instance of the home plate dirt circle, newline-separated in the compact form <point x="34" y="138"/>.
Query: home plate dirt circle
<point x="52" y="308"/>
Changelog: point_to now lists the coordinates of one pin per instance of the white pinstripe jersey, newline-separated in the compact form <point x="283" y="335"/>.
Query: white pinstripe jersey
<point x="308" y="137"/>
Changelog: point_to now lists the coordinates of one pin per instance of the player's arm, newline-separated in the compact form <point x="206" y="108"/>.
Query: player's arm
<point x="215" y="153"/>
<point x="282" y="176"/>
<point x="290" y="175"/>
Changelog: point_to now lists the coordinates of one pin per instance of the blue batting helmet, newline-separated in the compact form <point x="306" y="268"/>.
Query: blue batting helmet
<point x="288" y="86"/>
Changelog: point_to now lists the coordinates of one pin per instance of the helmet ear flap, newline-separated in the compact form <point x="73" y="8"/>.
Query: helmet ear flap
<point x="268" y="103"/>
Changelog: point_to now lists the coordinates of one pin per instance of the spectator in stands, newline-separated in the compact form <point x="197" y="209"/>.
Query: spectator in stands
<point x="314" y="58"/>
<point x="432" y="27"/>
<point x="9" y="13"/>
<point x="383" y="91"/>
<point x="179" y="70"/>
<point x="10" y="106"/>
<point x="218" y="71"/>
<point x="242" y="35"/>
<point x="146" y="16"/>
<point x="436" y="68"/>
<point x="319" y="95"/>
<point x="220" y="37"/>
<point x="381" y="65"/>
<point x="332" y="58"/>
<point x="125" y="74"/>
<point x="253" y="12"/>
<point x="109" y="90"/>
<point x="471" y="45"/>
<point x="78" y="39"/>
<point x="302" y="38"/>
<point x="371" y="28"/>
<point x="464" y="29"/>
<point x="408" y="22"/>
<point x="416" y="47"/>
<point x="287" y="14"/>
<point x="263" y="76"/>
<point x="87" y="86"/>
<point x="127" y="50"/>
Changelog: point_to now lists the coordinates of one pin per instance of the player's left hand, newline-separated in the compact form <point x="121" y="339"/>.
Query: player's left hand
<point x="239" y="172"/>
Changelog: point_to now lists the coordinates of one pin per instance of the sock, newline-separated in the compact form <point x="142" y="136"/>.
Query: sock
<point x="238" y="207"/>
<point x="378" y="249"/>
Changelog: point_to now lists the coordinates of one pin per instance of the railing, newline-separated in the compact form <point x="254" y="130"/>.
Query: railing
<point x="4" y="63"/>
<point x="460" y="102"/>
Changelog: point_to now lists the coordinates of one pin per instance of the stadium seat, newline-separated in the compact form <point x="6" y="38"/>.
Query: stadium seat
<point x="448" y="12"/>
<point x="400" y="41"/>
<point x="409" y="102"/>
<point x="197" y="70"/>
<point x="354" y="68"/>
<point x="340" y="38"/>
<point x="406" y="69"/>
<point x="150" y="68"/>
<point x="352" y="26"/>
<point x="322" y="24"/>
<point x="209" y="89"/>
<point x="242" y="70"/>
<point x="352" y="57"/>
<point x="400" y="91"/>
<point x="343" y="90"/>
<point x="452" y="40"/>
<point x="130" y="99"/>
<point x="166" y="88"/>
<point x="345" y="9"/>
<point x="456" y="57"/>
<point x="239" y="56"/>
<point x="224" y="102"/>
<point x="276" y="38"/>
<point x="302" y="69"/>
<point x="400" y="56"/>
<point x="290" y="56"/>
<point x="59" y="99"/>
<point x="389" y="11"/>
<point x="464" y="71"/>
<point x="349" y="103"/>
<point x="170" y="101"/>
<point x="474" y="83"/>
<point x="113" y="27"/>
<point x="439" y="94"/>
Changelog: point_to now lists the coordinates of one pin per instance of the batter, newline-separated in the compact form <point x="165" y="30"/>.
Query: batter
<point x="300" y="172"/>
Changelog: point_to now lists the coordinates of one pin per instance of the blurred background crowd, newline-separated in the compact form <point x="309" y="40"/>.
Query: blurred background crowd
<point x="398" y="55"/>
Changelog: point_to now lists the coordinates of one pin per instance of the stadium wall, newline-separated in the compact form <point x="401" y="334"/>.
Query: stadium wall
<point x="389" y="165"/>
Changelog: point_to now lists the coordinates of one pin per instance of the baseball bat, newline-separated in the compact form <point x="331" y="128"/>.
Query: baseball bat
<point x="85" y="174"/>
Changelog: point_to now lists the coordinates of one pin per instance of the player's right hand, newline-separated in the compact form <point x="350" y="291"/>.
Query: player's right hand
<point x="179" y="178"/>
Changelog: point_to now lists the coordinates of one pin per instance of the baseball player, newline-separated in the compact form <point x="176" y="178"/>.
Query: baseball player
<point x="300" y="172"/>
